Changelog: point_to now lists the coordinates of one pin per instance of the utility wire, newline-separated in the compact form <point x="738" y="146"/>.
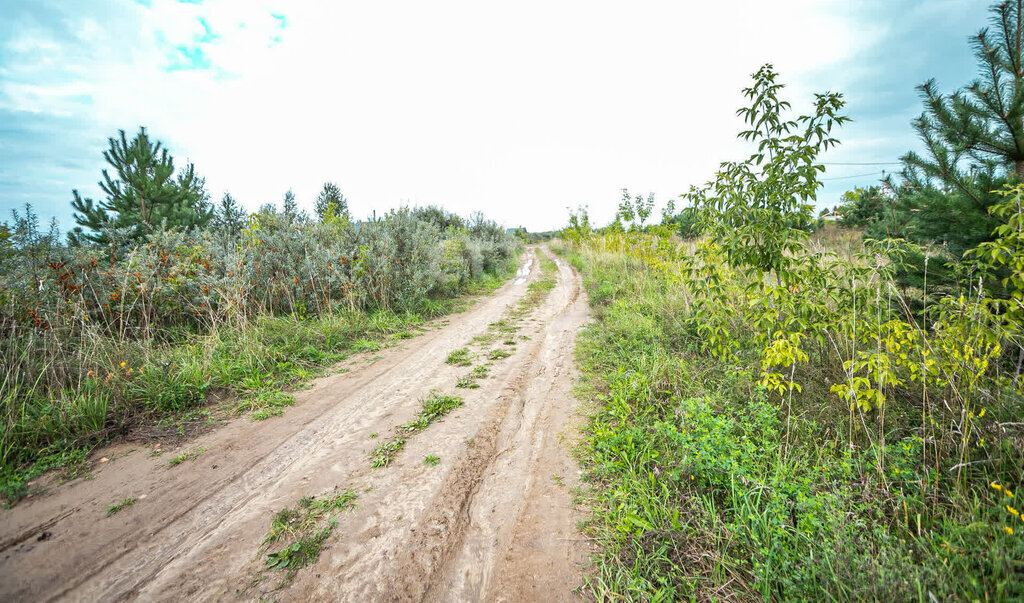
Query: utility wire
<point x="853" y="176"/>
<point x="862" y="163"/>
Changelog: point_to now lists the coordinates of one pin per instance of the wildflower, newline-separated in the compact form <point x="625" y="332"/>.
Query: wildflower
<point x="996" y="487"/>
<point x="90" y="374"/>
<point x="1012" y="510"/>
<point x="982" y="413"/>
<point x="1009" y="530"/>
<point x="130" y="371"/>
<point x="124" y="364"/>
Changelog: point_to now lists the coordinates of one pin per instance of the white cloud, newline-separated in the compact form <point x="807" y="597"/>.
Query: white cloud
<point x="518" y="109"/>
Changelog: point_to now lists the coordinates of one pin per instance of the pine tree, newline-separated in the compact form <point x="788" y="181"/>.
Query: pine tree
<point x="974" y="142"/>
<point x="229" y="217"/>
<point x="330" y="203"/>
<point x="145" y="195"/>
<point x="289" y="207"/>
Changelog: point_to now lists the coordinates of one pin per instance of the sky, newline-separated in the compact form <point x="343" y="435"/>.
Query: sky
<point x="520" y="110"/>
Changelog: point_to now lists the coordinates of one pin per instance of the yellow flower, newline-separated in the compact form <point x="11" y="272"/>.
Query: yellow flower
<point x="1008" y="493"/>
<point x="1012" y="510"/>
<point x="996" y="487"/>
<point x="1009" y="530"/>
<point x="124" y="364"/>
<point x="982" y="413"/>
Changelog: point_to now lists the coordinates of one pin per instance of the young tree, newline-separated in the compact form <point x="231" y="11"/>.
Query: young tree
<point x="146" y="194"/>
<point x="229" y="216"/>
<point x="330" y="203"/>
<point x="759" y="209"/>
<point x="289" y="207"/>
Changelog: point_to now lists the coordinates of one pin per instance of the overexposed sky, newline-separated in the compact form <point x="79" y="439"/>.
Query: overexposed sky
<point x="515" y="109"/>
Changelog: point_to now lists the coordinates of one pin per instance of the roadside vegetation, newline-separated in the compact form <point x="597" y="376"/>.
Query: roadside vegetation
<point x="784" y="416"/>
<point x="160" y="302"/>
<point x="297" y="534"/>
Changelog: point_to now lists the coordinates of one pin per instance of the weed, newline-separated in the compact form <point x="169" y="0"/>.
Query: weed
<point x="385" y="452"/>
<point x="188" y="455"/>
<point x="466" y="383"/>
<point x="479" y="372"/>
<point x="303" y="530"/>
<point x="373" y="436"/>
<point x="499" y="354"/>
<point x="124" y="504"/>
<point x="431" y="460"/>
<point x="365" y="345"/>
<point x="509" y="342"/>
<point x="460" y="357"/>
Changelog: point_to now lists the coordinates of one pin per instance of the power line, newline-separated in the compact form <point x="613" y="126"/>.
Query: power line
<point x="862" y="163"/>
<point x="853" y="176"/>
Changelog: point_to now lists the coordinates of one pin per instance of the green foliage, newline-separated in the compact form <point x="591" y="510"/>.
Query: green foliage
<point x="247" y="313"/>
<point x="118" y="507"/>
<point x="188" y="455"/>
<point x="806" y="435"/>
<point x="303" y="530"/>
<point x="862" y="207"/>
<point x="759" y="209"/>
<point x="459" y="357"/>
<point x="431" y="460"/>
<point x="145" y="195"/>
<point x="331" y="204"/>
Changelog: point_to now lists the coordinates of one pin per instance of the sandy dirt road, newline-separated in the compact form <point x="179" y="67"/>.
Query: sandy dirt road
<point x="492" y="521"/>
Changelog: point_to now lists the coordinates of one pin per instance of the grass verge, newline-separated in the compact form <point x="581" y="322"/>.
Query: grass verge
<point x="700" y="489"/>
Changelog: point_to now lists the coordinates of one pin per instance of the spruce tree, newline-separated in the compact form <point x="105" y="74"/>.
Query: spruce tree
<point x="330" y="203"/>
<point x="144" y="195"/>
<point x="289" y="207"/>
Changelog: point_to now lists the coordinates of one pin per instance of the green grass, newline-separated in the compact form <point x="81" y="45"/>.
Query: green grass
<point x="498" y="354"/>
<point x="297" y="534"/>
<point x="188" y="455"/>
<point x="252" y="365"/>
<point x="466" y="383"/>
<point x="698" y="487"/>
<point x="435" y="406"/>
<point x="459" y="357"/>
<point x="386" y="451"/>
<point x="117" y="508"/>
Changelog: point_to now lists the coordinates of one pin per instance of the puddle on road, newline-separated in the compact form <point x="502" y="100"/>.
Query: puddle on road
<point x="523" y="273"/>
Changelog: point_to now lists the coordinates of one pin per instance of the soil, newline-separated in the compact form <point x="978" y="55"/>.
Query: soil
<point x="494" y="520"/>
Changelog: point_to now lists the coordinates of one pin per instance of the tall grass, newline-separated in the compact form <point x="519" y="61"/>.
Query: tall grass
<point x="97" y="339"/>
<point x="710" y="480"/>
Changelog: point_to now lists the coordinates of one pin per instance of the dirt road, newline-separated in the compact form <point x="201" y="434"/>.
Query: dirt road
<point x="493" y="520"/>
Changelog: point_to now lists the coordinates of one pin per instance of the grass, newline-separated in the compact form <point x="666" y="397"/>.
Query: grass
<point x="386" y="451"/>
<point x="459" y="357"/>
<point x="466" y="383"/>
<point x="700" y="488"/>
<point x="435" y="407"/>
<point x="252" y="365"/>
<point x="188" y="455"/>
<point x="297" y="534"/>
<point x="117" y="508"/>
<point x="498" y="354"/>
